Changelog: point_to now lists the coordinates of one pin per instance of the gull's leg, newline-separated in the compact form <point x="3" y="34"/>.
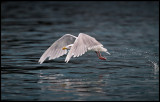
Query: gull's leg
<point x="100" y="57"/>
<point x="97" y="54"/>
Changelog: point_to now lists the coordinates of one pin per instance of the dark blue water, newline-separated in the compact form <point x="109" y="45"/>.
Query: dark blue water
<point x="129" y="30"/>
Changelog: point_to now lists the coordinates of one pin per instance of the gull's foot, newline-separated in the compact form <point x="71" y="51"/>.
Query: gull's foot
<point x="102" y="58"/>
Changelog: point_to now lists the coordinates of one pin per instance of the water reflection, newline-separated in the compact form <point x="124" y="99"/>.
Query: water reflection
<point x="59" y="82"/>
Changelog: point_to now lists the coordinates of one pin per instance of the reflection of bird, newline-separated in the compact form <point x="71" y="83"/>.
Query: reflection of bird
<point x="77" y="45"/>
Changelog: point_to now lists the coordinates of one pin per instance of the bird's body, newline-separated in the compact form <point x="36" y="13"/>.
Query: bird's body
<point x="77" y="46"/>
<point x="99" y="48"/>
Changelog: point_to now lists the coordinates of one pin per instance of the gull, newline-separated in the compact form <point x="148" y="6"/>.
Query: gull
<point x="75" y="46"/>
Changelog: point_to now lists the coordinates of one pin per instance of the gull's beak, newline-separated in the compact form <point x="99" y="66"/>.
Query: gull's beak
<point x="64" y="48"/>
<point x="108" y="53"/>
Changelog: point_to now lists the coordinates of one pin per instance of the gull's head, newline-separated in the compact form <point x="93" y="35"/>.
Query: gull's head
<point x="64" y="48"/>
<point x="67" y="47"/>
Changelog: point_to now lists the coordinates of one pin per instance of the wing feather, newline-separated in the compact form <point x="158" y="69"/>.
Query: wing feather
<point x="81" y="45"/>
<point x="55" y="50"/>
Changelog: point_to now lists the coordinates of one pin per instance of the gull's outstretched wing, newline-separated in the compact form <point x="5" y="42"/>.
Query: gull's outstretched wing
<point x="81" y="45"/>
<point x="55" y="50"/>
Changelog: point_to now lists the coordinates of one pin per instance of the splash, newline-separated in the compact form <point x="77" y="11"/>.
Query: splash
<point x="148" y="56"/>
<point x="155" y="66"/>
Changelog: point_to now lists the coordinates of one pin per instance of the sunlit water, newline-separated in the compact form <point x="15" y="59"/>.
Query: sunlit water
<point x="129" y="30"/>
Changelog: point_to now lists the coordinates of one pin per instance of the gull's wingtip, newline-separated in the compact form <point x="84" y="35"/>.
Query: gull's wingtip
<point x="40" y="62"/>
<point x="66" y="60"/>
